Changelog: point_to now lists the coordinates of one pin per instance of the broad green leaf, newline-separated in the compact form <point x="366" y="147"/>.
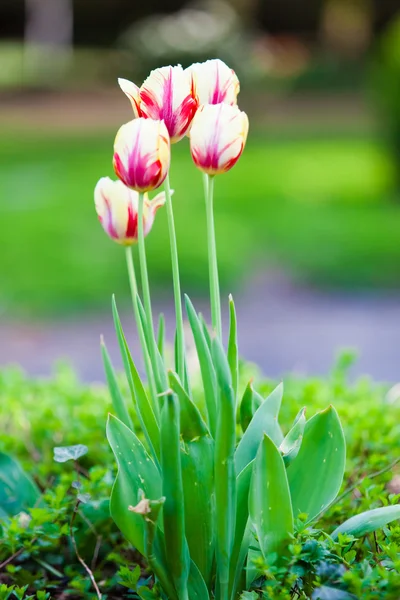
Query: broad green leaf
<point x="241" y="539"/>
<point x="206" y="365"/>
<point x="225" y="477"/>
<point x="197" y="458"/>
<point x="257" y="400"/>
<point x="246" y="407"/>
<point x="117" y="398"/>
<point x="64" y="453"/>
<point x="291" y="444"/>
<point x="265" y="420"/>
<point x="140" y="397"/>
<point x="137" y="473"/>
<point x="316" y="474"/>
<point x="161" y="335"/>
<point x="177" y="554"/>
<point x="17" y="490"/>
<point x="368" y="521"/>
<point x="233" y="352"/>
<point x="269" y="500"/>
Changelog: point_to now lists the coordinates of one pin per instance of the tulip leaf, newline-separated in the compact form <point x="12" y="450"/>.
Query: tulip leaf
<point x="368" y="521"/>
<point x="206" y="365"/>
<point x="17" y="490"/>
<point x="246" y="407"/>
<point x="140" y="398"/>
<point x="177" y="555"/>
<point x="205" y="329"/>
<point x="137" y="474"/>
<point x="161" y="335"/>
<point x="291" y="444"/>
<point x="242" y="537"/>
<point x="197" y="588"/>
<point x="270" y="507"/>
<point x="197" y="459"/>
<point x="316" y="474"/>
<point x="233" y="352"/>
<point x="265" y="420"/>
<point x="117" y="398"/>
<point x="225" y="477"/>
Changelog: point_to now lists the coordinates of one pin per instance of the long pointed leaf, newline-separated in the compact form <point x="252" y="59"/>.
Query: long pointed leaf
<point x="197" y="458"/>
<point x="206" y="365"/>
<point x="225" y="477"/>
<point x="117" y="398"/>
<point x="161" y="335"/>
<point x="246" y="407"/>
<point x="316" y="474"/>
<point x="265" y="420"/>
<point x="137" y="473"/>
<point x="368" y="521"/>
<point x="17" y="490"/>
<point x="140" y="398"/>
<point x="174" y="513"/>
<point x="233" y="352"/>
<point x="269" y="501"/>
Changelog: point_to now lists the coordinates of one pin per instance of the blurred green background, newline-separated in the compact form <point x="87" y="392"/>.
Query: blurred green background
<point x="316" y="193"/>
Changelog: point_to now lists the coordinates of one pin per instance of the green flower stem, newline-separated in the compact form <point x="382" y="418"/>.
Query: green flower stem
<point x="180" y="367"/>
<point x="146" y="294"/>
<point x="212" y="256"/>
<point x="142" y="336"/>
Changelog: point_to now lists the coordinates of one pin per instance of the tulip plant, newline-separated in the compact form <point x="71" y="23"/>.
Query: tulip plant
<point x="207" y="483"/>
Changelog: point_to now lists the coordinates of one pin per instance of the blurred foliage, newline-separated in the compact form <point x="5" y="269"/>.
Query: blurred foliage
<point x="385" y="80"/>
<point x="37" y="415"/>
<point x="317" y="206"/>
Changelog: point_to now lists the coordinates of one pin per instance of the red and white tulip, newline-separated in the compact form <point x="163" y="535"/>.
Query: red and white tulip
<point x="214" y="82"/>
<point x="117" y="208"/>
<point x="142" y="154"/>
<point x="167" y="95"/>
<point x="217" y="137"/>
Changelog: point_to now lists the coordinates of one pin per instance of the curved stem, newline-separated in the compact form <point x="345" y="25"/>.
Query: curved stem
<point x="180" y="367"/>
<point x="139" y="325"/>
<point x="212" y="257"/>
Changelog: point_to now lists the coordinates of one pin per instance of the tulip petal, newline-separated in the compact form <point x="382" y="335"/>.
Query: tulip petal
<point x="133" y="93"/>
<point x="167" y="95"/>
<point x="214" y="82"/>
<point x="217" y="137"/>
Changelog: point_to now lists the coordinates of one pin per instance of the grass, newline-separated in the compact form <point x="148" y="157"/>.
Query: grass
<point x="319" y="207"/>
<point x="36" y="544"/>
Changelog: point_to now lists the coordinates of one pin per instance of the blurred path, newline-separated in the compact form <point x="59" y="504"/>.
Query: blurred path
<point x="282" y="327"/>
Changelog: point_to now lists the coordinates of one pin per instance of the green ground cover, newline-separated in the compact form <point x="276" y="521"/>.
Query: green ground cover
<point x="36" y="551"/>
<point x="319" y="206"/>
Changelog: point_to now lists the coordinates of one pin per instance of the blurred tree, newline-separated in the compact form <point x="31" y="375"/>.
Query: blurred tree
<point x="346" y="27"/>
<point x="385" y="83"/>
<point x="48" y="38"/>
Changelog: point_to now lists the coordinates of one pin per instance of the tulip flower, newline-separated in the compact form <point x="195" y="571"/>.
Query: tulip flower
<point x="165" y="95"/>
<point x="217" y="137"/>
<point x="117" y="208"/>
<point x="142" y="154"/>
<point x="214" y="82"/>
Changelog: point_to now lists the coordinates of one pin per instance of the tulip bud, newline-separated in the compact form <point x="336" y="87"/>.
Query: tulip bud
<point x="142" y="154"/>
<point x="217" y="137"/>
<point x="117" y="208"/>
<point x="214" y="82"/>
<point x="165" y="95"/>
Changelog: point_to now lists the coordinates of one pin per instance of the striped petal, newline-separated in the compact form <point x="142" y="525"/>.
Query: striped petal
<point x="133" y="93"/>
<point x="214" y="82"/>
<point x="117" y="209"/>
<point x="217" y="137"/>
<point x="167" y="95"/>
<point x="142" y="154"/>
